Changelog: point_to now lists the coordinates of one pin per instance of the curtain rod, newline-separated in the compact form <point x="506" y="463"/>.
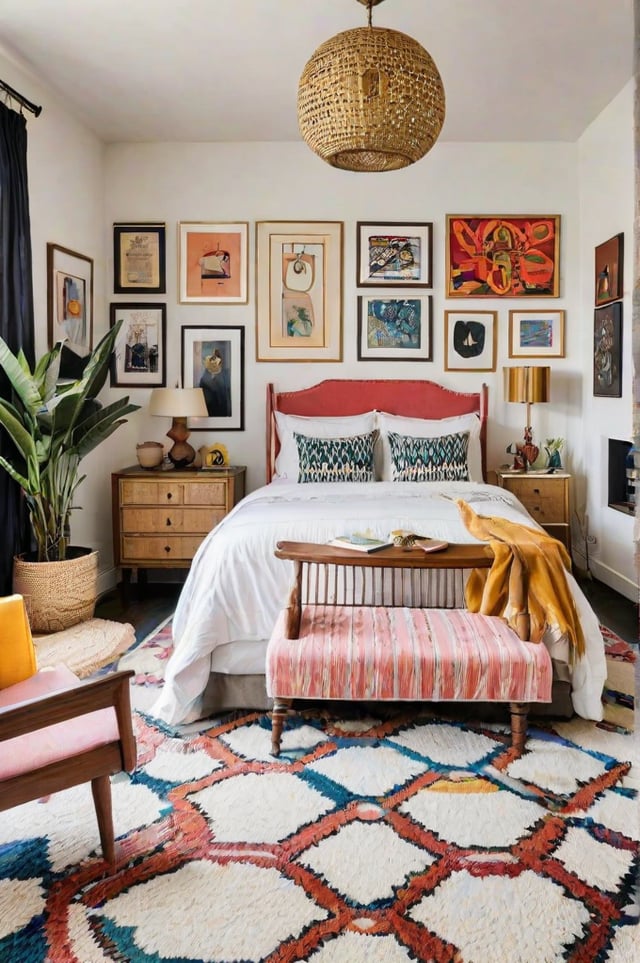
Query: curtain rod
<point x="34" y="108"/>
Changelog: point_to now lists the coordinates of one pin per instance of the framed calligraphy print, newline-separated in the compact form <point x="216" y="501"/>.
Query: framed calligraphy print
<point x="139" y="258"/>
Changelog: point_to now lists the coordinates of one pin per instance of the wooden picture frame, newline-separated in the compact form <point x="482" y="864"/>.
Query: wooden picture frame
<point x="503" y="256"/>
<point x="213" y="359"/>
<point x="395" y="328"/>
<point x="214" y="262"/>
<point x="608" y="271"/>
<point x="394" y="253"/>
<point x="139" y="258"/>
<point x="470" y="340"/>
<point x="69" y="299"/>
<point x="139" y="359"/>
<point x="536" y="334"/>
<point x="299" y="290"/>
<point x="607" y="351"/>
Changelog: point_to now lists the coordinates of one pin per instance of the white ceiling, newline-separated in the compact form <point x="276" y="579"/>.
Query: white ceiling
<point x="227" y="70"/>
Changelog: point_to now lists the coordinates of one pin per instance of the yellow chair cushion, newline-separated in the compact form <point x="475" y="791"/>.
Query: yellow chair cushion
<point x="17" y="652"/>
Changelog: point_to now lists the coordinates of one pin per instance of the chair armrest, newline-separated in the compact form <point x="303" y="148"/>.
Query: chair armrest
<point x="108" y="691"/>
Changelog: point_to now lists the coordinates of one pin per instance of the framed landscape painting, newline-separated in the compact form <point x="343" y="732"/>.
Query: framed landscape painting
<point x="139" y="358"/>
<point x="299" y="291"/>
<point x="70" y="299"/>
<point x="607" y="351"/>
<point x="470" y="339"/>
<point x="139" y="258"/>
<point x="394" y="254"/>
<point x="503" y="256"/>
<point x="536" y="334"/>
<point x="214" y="262"/>
<point x="392" y="328"/>
<point x="213" y="359"/>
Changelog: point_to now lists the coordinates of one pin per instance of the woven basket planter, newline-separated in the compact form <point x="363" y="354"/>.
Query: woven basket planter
<point x="58" y="594"/>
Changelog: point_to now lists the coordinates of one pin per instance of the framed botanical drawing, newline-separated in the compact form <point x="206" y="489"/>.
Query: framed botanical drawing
<point x="503" y="256"/>
<point x="299" y="290"/>
<point x="393" y="328"/>
<point x="213" y="359"/>
<point x="139" y="358"/>
<point x="70" y="299"/>
<point x="214" y="262"/>
<point x="536" y="334"/>
<point x="470" y="339"/>
<point x="139" y="253"/>
<point x="607" y="351"/>
<point x="608" y="270"/>
<point x="394" y="254"/>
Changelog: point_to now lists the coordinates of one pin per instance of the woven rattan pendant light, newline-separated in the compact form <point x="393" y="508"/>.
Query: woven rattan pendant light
<point x="370" y="99"/>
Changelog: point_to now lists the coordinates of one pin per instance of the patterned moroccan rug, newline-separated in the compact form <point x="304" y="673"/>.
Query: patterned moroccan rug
<point x="385" y="840"/>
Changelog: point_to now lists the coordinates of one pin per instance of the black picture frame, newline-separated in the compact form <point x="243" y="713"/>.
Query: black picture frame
<point x="139" y="258"/>
<point x="607" y="351"/>
<point x="226" y="343"/>
<point x="139" y="359"/>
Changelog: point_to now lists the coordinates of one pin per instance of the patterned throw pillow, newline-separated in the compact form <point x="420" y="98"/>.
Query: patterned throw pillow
<point x="336" y="459"/>
<point x="429" y="459"/>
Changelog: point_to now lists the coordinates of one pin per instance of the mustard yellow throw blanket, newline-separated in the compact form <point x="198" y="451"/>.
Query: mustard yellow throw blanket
<point x="545" y="560"/>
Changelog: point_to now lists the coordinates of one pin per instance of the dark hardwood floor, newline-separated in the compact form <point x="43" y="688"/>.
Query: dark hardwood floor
<point x="146" y="606"/>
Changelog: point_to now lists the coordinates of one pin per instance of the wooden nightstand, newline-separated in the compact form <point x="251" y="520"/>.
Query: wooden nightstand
<point x="546" y="498"/>
<point x="160" y="517"/>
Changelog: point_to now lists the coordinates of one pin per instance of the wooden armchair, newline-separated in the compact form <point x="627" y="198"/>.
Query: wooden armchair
<point x="57" y="731"/>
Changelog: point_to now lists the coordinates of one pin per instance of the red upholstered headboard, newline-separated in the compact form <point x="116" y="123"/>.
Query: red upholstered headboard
<point x="353" y="396"/>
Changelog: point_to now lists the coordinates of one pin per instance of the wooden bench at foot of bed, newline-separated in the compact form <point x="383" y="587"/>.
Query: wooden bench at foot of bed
<point x="365" y="628"/>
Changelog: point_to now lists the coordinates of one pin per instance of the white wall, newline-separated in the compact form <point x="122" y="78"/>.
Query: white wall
<point x="606" y="207"/>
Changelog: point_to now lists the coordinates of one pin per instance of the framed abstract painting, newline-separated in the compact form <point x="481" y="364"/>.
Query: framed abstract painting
<point x="607" y="351"/>
<point x="393" y="328"/>
<point x="213" y="359"/>
<point x="470" y="339"/>
<point x="299" y="290"/>
<point x="214" y="262"/>
<point x="503" y="256"/>
<point x="139" y="358"/>
<point x="536" y="334"/>
<point x="70" y="299"/>
<point x="394" y="254"/>
<point x="608" y="270"/>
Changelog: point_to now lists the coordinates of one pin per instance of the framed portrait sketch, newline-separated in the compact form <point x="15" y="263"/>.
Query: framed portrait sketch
<point x="503" y="256"/>
<point x="139" y="358"/>
<point x="536" y="334"/>
<point x="608" y="270"/>
<point x="213" y="359"/>
<point x="299" y="291"/>
<point x="392" y="328"/>
<point x="70" y="299"/>
<point x="139" y="258"/>
<point x="470" y="339"/>
<point x="394" y="254"/>
<point x="607" y="351"/>
<point x="214" y="264"/>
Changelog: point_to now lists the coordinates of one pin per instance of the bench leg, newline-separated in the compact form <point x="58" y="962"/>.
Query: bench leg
<point x="519" y="712"/>
<point x="280" y="710"/>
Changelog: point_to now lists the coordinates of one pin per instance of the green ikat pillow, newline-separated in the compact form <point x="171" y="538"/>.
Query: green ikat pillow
<point x="336" y="459"/>
<point x="429" y="459"/>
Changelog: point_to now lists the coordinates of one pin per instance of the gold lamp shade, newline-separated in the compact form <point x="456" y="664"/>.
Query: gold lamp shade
<point x="527" y="384"/>
<point x="370" y="99"/>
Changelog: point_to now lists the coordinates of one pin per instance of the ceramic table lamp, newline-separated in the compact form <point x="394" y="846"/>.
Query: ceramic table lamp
<point x="179" y="404"/>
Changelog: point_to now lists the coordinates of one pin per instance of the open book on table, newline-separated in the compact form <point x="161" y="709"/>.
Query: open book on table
<point x="360" y="542"/>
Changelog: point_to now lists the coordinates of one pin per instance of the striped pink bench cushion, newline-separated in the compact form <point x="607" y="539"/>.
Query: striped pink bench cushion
<point x="383" y="653"/>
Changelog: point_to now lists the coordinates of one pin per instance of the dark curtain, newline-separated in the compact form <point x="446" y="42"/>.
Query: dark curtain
<point x="16" y="312"/>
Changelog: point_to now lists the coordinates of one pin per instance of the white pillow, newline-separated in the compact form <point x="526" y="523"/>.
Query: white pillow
<point x="286" y="465"/>
<point x="426" y="428"/>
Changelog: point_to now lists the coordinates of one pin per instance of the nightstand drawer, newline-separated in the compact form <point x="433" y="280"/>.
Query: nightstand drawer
<point x="545" y="501"/>
<point x="138" y="550"/>
<point x="169" y="520"/>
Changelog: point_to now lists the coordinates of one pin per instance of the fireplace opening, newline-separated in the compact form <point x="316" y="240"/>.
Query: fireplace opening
<point x="624" y="477"/>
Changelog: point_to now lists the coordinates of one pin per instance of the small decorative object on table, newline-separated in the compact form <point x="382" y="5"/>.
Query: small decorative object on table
<point x="149" y="454"/>
<point x="553" y="447"/>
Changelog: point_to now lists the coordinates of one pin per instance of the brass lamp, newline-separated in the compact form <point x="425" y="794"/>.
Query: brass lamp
<point x="370" y="99"/>
<point x="527" y="384"/>
<point x="179" y="404"/>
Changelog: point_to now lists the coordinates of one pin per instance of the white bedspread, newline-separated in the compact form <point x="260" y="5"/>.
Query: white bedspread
<point x="236" y="586"/>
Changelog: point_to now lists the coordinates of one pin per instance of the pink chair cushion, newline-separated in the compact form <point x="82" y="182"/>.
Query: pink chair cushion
<point x="382" y="653"/>
<point x="53" y="743"/>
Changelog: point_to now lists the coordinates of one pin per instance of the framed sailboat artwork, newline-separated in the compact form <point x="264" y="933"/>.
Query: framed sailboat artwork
<point x="470" y="339"/>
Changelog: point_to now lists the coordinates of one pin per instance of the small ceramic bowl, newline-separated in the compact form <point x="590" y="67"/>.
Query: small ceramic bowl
<point x="150" y="454"/>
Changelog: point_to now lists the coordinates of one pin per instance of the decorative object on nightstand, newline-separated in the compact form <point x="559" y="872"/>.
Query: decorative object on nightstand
<point x="150" y="454"/>
<point x="527" y="384"/>
<point x="553" y="447"/>
<point x="370" y="99"/>
<point x="214" y="456"/>
<point x="179" y="404"/>
<point x="546" y="498"/>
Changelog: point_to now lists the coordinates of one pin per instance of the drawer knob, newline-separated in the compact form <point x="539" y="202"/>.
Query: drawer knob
<point x="168" y="522"/>
<point x="169" y="496"/>
<point x="167" y="549"/>
<point x="536" y="491"/>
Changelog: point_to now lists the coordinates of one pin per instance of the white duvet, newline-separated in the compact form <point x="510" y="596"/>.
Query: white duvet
<point x="236" y="586"/>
